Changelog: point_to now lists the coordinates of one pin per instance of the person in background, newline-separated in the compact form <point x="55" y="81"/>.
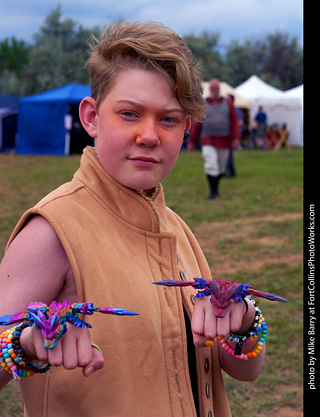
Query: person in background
<point x="230" y="167"/>
<point x="261" y="133"/>
<point x="218" y="134"/>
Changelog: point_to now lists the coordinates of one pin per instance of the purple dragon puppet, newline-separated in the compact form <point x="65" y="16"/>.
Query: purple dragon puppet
<point x="222" y="292"/>
<point x="52" y="320"/>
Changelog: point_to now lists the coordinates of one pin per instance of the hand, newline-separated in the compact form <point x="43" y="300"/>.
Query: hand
<point x="206" y="326"/>
<point x="73" y="350"/>
<point x="235" y="144"/>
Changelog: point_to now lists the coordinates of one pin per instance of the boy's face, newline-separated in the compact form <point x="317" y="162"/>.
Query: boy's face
<point x="139" y="129"/>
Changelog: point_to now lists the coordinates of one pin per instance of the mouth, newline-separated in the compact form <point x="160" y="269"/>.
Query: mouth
<point x="144" y="161"/>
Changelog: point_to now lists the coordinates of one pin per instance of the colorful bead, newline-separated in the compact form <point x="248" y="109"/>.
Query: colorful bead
<point x="259" y="329"/>
<point x="12" y="359"/>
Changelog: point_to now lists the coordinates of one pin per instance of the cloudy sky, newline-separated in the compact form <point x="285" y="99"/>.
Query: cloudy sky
<point x="233" y="19"/>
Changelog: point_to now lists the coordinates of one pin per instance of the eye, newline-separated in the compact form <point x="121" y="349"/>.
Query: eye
<point x="168" y="120"/>
<point x="128" y="114"/>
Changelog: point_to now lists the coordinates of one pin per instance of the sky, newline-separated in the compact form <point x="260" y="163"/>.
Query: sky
<point x="232" y="19"/>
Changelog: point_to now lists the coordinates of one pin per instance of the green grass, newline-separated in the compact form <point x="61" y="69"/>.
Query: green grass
<point x="268" y="185"/>
<point x="285" y="239"/>
<point x="26" y="179"/>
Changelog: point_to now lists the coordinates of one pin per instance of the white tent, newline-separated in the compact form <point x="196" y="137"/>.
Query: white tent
<point x="297" y="92"/>
<point x="226" y="89"/>
<point x="255" y="87"/>
<point x="280" y="107"/>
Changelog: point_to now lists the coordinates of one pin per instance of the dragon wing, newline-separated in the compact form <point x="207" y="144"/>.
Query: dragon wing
<point x="13" y="318"/>
<point x="117" y="311"/>
<point x="198" y="283"/>
<point x="266" y="295"/>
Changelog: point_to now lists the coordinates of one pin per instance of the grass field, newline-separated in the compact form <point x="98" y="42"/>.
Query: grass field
<point x="252" y="233"/>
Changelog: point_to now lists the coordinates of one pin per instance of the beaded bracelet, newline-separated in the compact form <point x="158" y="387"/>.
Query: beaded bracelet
<point x="12" y="359"/>
<point x="259" y="329"/>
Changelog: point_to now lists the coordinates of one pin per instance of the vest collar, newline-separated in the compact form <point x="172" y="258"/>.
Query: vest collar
<point x="139" y="210"/>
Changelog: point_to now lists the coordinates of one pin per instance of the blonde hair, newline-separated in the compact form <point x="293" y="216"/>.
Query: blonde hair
<point x="148" y="46"/>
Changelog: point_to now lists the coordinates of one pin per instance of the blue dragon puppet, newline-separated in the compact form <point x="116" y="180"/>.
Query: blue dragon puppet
<point x="222" y="292"/>
<point x="52" y="319"/>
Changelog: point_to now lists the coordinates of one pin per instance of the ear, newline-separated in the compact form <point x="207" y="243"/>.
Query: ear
<point x="88" y="116"/>
<point x="188" y="123"/>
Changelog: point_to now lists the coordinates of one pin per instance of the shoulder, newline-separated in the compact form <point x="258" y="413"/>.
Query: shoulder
<point x="36" y="233"/>
<point x="36" y="263"/>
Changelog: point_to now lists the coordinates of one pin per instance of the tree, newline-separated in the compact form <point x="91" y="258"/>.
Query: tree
<point x="276" y="59"/>
<point x="240" y="63"/>
<point x="205" y="51"/>
<point x="14" y="54"/>
<point x="58" y="55"/>
<point x="283" y="60"/>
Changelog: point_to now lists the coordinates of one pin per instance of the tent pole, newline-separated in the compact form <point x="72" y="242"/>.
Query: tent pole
<point x="67" y="143"/>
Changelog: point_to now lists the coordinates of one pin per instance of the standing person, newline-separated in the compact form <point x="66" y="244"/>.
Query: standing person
<point x="261" y="133"/>
<point x="218" y="134"/>
<point x="104" y="237"/>
<point x="230" y="166"/>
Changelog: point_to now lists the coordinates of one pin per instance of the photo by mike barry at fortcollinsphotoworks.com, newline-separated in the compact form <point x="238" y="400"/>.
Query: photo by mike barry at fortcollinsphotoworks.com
<point x="310" y="365"/>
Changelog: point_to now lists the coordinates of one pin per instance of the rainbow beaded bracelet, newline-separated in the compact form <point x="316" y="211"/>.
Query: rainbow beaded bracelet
<point x="52" y="321"/>
<point x="259" y="329"/>
<point x="12" y="359"/>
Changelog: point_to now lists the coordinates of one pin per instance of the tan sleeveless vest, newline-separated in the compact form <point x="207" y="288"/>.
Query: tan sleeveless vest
<point x="118" y="242"/>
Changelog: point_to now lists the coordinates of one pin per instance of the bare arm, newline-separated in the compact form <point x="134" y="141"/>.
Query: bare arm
<point x="36" y="268"/>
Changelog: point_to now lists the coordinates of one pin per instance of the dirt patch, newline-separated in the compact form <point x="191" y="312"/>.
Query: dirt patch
<point x="264" y="249"/>
<point x="287" y="412"/>
<point x="233" y="233"/>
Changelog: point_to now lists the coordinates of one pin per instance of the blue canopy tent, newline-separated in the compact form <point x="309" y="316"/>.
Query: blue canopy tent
<point x="42" y="126"/>
<point x="7" y="101"/>
<point x="8" y="122"/>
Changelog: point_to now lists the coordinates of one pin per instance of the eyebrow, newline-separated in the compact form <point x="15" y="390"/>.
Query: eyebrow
<point x="140" y="106"/>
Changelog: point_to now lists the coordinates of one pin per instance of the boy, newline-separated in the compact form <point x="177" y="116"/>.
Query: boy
<point x="107" y="235"/>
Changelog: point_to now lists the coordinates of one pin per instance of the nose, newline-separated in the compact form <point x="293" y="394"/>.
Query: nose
<point x="147" y="134"/>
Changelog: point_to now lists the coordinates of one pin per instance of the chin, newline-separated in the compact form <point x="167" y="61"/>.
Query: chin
<point x="141" y="185"/>
<point x="142" y="189"/>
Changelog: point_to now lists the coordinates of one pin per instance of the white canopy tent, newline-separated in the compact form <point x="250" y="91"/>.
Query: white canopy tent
<point x="280" y="107"/>
<point x="298" y="92"/>
<point x="255" y="87"/>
